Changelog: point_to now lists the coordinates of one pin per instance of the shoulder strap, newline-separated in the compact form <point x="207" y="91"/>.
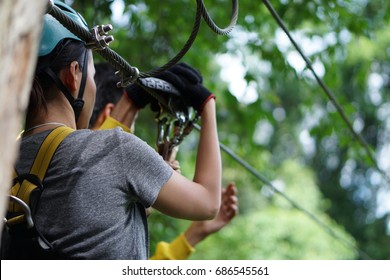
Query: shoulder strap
<point x="47" y="150"/>
<point x="24" y="185"/>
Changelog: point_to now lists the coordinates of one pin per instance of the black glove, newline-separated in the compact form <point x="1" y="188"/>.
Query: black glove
<point x="144" y="92"/>
<point x="189" y="82"/>
<point x="138" y="95"/>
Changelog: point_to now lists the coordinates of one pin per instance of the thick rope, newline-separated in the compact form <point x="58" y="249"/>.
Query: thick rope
<point x="122" y="65"/>
<point x="184" y="50"/>
<point x="200" y="11"/>
<point x="111" y="56"/>
<point x="213" y="26"/>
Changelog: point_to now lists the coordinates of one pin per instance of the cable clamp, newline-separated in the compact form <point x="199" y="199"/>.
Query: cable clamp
<point x="100" y="38"/>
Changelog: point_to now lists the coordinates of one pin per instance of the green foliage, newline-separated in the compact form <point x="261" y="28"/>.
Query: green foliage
<point x="349" y="41"/>
<point x="273" y="233"/>
<point x="274" y="229"/>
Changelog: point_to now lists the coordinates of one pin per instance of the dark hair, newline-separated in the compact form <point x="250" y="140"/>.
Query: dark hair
<point x="67" y="51"/>
<point x="106" y="88"/>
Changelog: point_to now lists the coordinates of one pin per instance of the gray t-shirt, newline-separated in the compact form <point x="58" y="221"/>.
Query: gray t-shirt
<point x="96" y="190"/>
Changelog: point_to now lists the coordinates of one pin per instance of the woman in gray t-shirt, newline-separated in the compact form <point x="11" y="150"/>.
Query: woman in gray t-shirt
<point x="99" y="183"/>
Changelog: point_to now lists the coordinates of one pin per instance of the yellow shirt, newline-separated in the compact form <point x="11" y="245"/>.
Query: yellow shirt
<point x="111" y="123"/>
<point x="179" y="249"/>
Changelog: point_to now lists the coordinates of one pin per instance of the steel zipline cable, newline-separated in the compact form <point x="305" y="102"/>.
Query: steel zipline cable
<point x="211" y="23"/>
<point x="122" y="65"/>
<point x="294" y="204"/>
<point x="327" y="91"/>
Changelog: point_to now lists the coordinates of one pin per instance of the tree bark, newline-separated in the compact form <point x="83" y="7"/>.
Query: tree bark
<point x="21" y="22"/>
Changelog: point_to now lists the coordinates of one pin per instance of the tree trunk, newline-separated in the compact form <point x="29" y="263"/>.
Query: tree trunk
<point x="21" y="27"/>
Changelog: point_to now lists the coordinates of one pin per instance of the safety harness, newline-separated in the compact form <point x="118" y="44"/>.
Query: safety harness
<point x="21" y="237"/>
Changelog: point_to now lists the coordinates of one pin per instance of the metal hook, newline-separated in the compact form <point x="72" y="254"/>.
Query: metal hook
<point x="26" y="209"/>
<point x="127" y="78"/>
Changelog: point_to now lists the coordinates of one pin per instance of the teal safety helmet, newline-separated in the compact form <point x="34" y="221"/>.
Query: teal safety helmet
<point x="54" y="32"/>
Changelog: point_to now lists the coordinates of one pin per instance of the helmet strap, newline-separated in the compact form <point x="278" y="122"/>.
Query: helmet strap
<point x="78" y="103"/>
<point x="59" y="84"/>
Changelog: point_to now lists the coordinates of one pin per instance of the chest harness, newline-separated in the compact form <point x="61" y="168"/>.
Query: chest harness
<point x="21" y="237"/>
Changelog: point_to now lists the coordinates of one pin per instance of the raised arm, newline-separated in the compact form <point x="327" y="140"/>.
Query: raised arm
<point x="200" y="198"/>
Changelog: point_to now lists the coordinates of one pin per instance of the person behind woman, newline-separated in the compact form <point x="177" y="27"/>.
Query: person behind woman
<point x="99" y="183"/>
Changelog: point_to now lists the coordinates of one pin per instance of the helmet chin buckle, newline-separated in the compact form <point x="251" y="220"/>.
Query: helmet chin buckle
<point x="77" y="106"/>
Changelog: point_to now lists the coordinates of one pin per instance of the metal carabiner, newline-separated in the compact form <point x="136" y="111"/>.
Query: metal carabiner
<point x="26" y="210"/>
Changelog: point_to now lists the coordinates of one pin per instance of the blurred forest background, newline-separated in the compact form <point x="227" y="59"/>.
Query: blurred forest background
<point x="273" y="114"/>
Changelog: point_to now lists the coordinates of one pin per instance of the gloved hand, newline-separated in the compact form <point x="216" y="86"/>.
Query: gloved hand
<point x="189" y="82"/>
<point x="138" y="95"/>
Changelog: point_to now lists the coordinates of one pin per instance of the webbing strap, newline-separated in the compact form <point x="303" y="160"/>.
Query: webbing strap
<point x="39" y="168"/>
<point x="47" y="150"/>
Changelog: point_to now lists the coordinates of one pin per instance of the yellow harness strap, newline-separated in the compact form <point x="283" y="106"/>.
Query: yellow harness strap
<point x="23" y="190"/>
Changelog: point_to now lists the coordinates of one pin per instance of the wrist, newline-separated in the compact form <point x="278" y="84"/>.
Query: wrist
<point x="195" y="233"/>
<point x="209" y="109"/>
<point x="206" y="101"/>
